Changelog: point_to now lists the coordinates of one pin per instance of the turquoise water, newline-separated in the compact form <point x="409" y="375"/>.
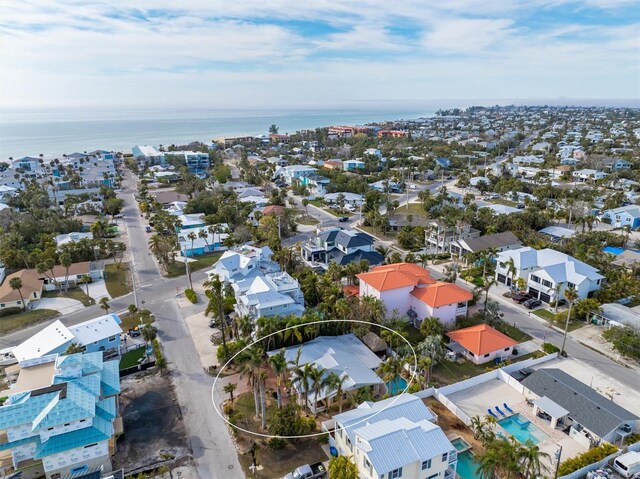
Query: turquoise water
<point x="54" y="132"/>
<point x="396" y="386"/>
<point x="612" y="249"/>
<point x="460" y="444"/>
<point x="466" y="468"/>
<point x="525" y="433"/>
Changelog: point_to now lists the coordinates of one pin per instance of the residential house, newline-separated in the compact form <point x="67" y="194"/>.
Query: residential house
<point x="591" y="417"/>
<point x="410" y="289"/>
<point x="191" y="221"/>
<point x="167" y="197"/>
<point x="557" y="233"/>
<point x="502" y="209"/>
<point x="383" y="185"/>
<point x="443" y="162"/>
<point x="624" y="216"/>
<point x="498" y="241"/>
<point x="242" y="263"/>
<point x="316" y="184"/>
<point x="98" y="334"/>
<point x="31" y="290"/>
<point x="441" y="236"/>
<point x="373" y="152"/>
<point x="201" y="240"/>
<point x="588" y="175"/>
<point x="61" y="277"/>
<point x="334" y="164"/>
<point x="481" y="343"/>
<point x="527" y="160"/>
<point x="616" y="164"/>
<point x="271" y="294"/>
<point x="345" y="356"/>
<point x="61" y="417"/>
<point x="293" y="173"/>
<point x="392" y="134"/>
<point x="353" y="165"/>
<point x="548" y="273"/>
<point x="615" y="314"/>
<point x="395" y="438"/>
<point x="340" y="246"/>
<point x="348" y="198"/>
<point x="146" y="154"/>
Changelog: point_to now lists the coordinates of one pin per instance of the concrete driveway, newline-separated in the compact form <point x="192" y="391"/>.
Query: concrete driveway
<point x="62" y="305"/>
<point x="97" y="290"/>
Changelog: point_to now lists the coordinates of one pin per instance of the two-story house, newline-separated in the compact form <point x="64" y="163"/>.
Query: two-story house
<point x="60" y="418"/>
<point x="395" y="438"/>
<point x="588" y="175"/>
<point x="195" y="161"/>
<point x="409" y="289"/>
<point x="440" y="236"/>
<point x="499" y="241"/>
<point x="242" y="263"/>
<point x="624" y="216"/>
<point x="292" y="173"/>
<point x="547" y="273"/>
<point x="340" y="246"/>
<point x="271" y="294"/>
<point x="97" y="334"/>
<point x="196" y="241"/>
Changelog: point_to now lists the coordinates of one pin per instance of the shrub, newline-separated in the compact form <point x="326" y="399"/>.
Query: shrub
<point x="550" y="348"/>
<point x="191" y="295"/>
<point x="276" y="443"/>
<point x="593" y="455"/>
<point x="631" y="439"/>
<point x="228" y="408"/>
<point x="9" y="311"/>
<point x="514" y="352"/>
<point x="232" y="348"/>
<point x="625" y="340"/>
<point x="324" y="439"/>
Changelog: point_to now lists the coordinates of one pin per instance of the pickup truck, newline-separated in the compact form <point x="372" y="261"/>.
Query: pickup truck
<point x="308" y="471"/>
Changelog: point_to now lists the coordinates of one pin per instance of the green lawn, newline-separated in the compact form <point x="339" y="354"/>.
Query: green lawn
<point x="74" y="293"/>
<point x="414" y="209"/>
<point x="414" y="336"/>
<point x="116" y="281"/>
<point x="550" y="317"/>
<point x="307" y="220"/>
<point x="131" y="358"/>
<point x="129" y="321"/>
<point x="204" y="261"/>
<point x="27" y="318"/>
<point x="390" y="236"/>
<point x="513" y="332"/>
<point x="500" y="201"/>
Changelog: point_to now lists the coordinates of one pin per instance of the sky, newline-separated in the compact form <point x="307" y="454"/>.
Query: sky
<point x="314" y="53"/>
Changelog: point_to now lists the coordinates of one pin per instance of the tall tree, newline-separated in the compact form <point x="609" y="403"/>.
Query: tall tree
<point x="16" y="284"/>
<point x="343" y="467"/>
<point x="571" y="295"/>
<point x="215" y="307"/>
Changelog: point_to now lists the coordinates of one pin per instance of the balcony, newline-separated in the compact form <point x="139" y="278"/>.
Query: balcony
<point x="453" y="457"/>
<point x="450" y="474"/>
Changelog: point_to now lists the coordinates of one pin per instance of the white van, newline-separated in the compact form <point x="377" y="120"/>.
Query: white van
<point x="627" y="464"/>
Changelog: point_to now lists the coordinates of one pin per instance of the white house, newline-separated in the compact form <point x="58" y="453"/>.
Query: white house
<point x="481" y="343"/>
<point x="271" y="294"/>
<point x="624" y="216"/>
<point x="528" y="160"/>
<point x="348" y="198"/>
<point x="395" y="438"/>
<point x="195" y="160"/>
<point x="409" y="289"/>
<point x="587" y="174"/>
<point x="350" y="165"/>
<point x="97" y="334"/>
<point x="548" y="273"/>
<point x="346" y="356"/>
<point x="292" y="173"/>
<point x="244" y="262"/>
<point x="146" y="153"/>
<point x="71" y="238"/>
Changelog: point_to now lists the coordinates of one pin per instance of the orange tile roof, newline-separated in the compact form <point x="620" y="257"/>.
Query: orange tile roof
<point x="442" y="294"/>
<point x="351" y="290"/>
<point x="397" y="275"/>
<point x="481" y="339"/>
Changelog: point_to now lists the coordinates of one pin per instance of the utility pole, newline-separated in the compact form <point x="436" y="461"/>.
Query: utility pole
<point x="557" y="455"/>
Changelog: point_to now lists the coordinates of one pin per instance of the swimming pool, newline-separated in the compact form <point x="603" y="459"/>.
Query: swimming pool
<point x="467" y="466"/>
<point x="396" y="385"/>
<point x="612" y="249"/>
<point x="460" y="444"/>
<point x="522" y="429"/>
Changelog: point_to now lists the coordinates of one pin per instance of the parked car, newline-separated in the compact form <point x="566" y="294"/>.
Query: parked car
<point x="520" y="206"/>
<point x="532" y="303"/>
<point x="521" y="297"/>
<point x="147" y="229"/>
<point x="308" y="471"/>
<point x="342" y="219"/>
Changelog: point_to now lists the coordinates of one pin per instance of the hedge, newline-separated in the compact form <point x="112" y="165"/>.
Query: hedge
<point x="593" y="455"/>
<point x="550" y="348"/>
<point x="9" y="311"/>
<point x="191" y="295"/>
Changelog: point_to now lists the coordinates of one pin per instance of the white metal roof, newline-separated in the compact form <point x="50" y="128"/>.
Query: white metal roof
<point x="96" y="329"/>
<point x="44" y="342"/>
<point x="552" y="408"/>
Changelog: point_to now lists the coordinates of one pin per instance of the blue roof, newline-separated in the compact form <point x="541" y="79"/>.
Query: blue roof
<point x="77" y="404"/>
<point x="110" y="378"/>
<point x="100" y="430"/>
<point x="25" y="411"/>
<point x="19" y="442"/>
<point x="106" y="409"/>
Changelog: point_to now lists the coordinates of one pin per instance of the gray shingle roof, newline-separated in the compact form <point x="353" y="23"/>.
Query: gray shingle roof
<point x="586" y="406"/>
<point x="489" y="241"/>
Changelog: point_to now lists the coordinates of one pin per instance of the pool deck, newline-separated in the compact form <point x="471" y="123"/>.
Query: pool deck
<point x="477" y="399"/>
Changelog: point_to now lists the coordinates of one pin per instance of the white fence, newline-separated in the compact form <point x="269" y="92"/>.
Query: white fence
<point x="581" y="473"/>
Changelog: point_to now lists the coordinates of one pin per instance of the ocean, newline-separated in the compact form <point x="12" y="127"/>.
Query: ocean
<point x="50" y="132"/>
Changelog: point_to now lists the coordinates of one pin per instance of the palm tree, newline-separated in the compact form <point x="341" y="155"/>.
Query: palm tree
<point x="486" y="286"/>
<point x="336" y="382"/>
<point x="343" y="467"/>
<point x="390" y="369"/>
<point x="263" y="375"/>
<point x="431" y="347"/>
<point x="571" y="295"/>
<point x="529" y="456"/>
<point x="424" y="364"/>
<point x="279" y="365"/>
<point x="104" y="304"/>
<point x="229" y="388"/>
<point x="16" y="284"/>
<point x="511" y="271"/>
<point x="316" y="378"/>
<point x="215" y="307"/>
<point x="300" y="376"/>
<point x="423" y="258"/>
<point x="384" y="251"/>
<point x="74" y="348"/>
<point x="556" y="295"/>
<point x="250" y="368"/>
<point x="65" y="260"/>
<point x="149" y="332"/>
<point x="204" y="234"/>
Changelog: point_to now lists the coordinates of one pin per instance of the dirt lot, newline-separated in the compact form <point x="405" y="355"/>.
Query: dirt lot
<point x="153" y="428"/>
<point x="451" y="425"/>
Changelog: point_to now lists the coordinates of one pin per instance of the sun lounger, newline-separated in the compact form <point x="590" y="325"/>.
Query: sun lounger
<point x="507" y="408"/>
<point x="500" y="411"/>
<point x="491" y="413"/>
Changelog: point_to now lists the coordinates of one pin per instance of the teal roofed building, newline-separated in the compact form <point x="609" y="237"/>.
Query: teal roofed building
<point x="61" y="417"/>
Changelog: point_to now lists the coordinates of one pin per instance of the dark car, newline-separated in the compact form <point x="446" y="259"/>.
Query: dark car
<point x="147" y="229"/>
<point x="520" y="206"/>
<point x="521" y="297"/>
<point x="532" y="303"/>
<point x="342" y="219"/>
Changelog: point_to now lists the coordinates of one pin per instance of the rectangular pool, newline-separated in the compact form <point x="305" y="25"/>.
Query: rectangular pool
<point x="467" y="466"/>
<point x="522" y="429"/>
